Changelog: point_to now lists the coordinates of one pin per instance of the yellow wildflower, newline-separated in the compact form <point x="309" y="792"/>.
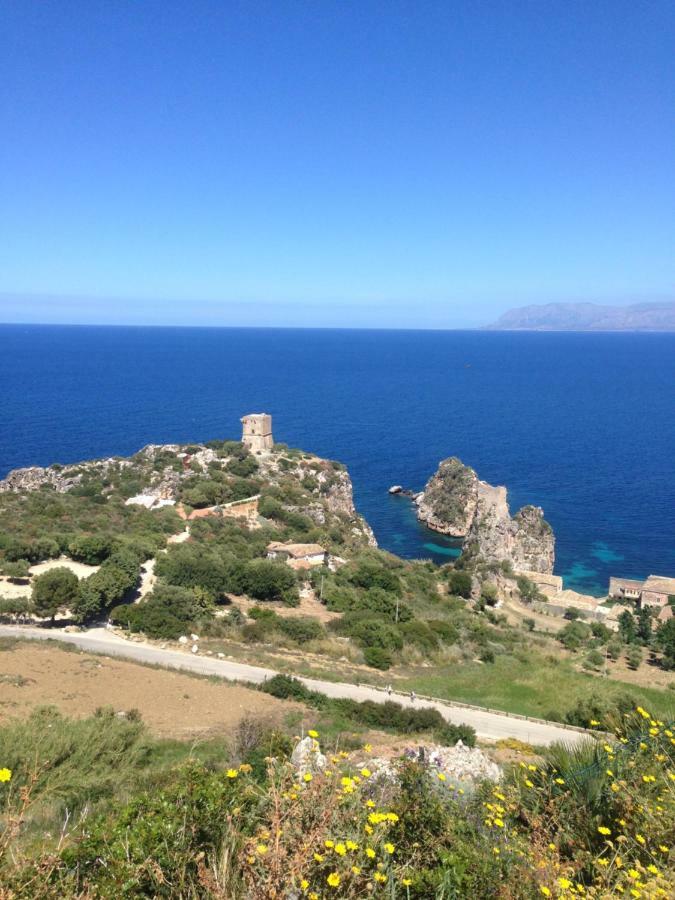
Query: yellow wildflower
<point x="370" y="804"/>
<point x="352" y="845"/>
<point x="640" y="839"/>
<point x="560" y="781"/>
<point x="367" y="747"/>
<point x="545" y="891"/>
<point x="307" y="777"/>
<point x="329" y="844"/>
<point x="441" y="776"/>
<point x="528" y="783"/>
<point x="340" y="849"/>
<point x="389" y="848"/>
<point x="406" y="882"/>
<point x="318" y="858"/>
<point x="499" y="823"/>
<point x="380" y="877"/>
<point x="261" y="849"/>
<point x="232" y="773"/>
<point x="564" y="883"/>
<point x="604" y="830"/>
<point x="366" y="772"/>
<point x="356" y="870"/>
<point x="370" y="853"/>
<point x="5" y="774"/>
<point x="312" y="733"/>
<point x="333" y="879"/>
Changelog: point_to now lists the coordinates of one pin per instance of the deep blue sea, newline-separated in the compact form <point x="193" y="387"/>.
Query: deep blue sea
<point x="581" y="424"/>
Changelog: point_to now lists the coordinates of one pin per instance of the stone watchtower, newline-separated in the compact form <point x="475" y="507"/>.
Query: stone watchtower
<point x="257" y="432"/>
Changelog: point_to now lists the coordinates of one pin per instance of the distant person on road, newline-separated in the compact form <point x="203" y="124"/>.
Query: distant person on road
<point x="388" y="690"/>
<point x="412" y="696"/>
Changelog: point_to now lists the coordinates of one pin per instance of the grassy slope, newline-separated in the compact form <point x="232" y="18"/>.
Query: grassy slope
<point x="537" y="688"/>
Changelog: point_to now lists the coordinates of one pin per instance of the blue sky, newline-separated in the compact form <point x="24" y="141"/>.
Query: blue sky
<point x="392" y="164"/>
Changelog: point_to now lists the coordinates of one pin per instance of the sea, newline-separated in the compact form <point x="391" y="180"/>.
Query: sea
<point x="580" y="424"/>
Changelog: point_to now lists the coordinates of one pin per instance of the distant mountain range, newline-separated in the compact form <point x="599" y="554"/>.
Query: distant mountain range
<point x="588" y="317"/>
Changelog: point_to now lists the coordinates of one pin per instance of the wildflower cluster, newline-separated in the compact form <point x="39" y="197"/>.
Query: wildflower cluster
<point x="328" y="834"/>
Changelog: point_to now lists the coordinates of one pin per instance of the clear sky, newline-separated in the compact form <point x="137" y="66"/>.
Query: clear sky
<point x="392" y="164"/>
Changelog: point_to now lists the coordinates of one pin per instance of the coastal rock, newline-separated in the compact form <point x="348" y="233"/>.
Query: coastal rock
<point x="395" y="489"/>
<point x="34" y="478"/>
<point x="457" y="503"/>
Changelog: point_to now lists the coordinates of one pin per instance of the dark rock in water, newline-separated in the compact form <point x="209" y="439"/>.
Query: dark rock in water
<point x="396" y="489"/>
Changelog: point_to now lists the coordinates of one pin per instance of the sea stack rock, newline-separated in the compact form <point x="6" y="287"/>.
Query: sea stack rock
<point x="457" y="503"/>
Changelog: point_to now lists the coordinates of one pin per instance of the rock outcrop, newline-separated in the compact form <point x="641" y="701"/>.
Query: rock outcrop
<point x="457" y="503"/>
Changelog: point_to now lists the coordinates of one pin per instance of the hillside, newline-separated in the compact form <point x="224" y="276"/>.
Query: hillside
<point x="588" y="317"/>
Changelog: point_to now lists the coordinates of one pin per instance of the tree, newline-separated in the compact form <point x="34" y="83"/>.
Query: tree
<point x="54" y="590"/>
<point x="268" y="580"/>
<point x="627" y="627"/>
<point x="529" y="624"/>
<point x="528" y="589"/>
<point x="644" y="625"/>
<point x="665" y="638"/>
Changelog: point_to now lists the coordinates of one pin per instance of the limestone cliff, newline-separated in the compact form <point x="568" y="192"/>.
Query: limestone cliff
<point x="194" y="474"/>
<point x="457" y="503"/>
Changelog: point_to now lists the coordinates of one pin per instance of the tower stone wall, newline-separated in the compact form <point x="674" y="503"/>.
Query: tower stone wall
<point x="257" y="432"/>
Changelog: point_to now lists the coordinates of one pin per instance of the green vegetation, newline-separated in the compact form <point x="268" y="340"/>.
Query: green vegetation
<point x="55" y="590"/>
<point x="529" y="683"/>
<point x="387" y="716"/>
<point x="252" y="826"/>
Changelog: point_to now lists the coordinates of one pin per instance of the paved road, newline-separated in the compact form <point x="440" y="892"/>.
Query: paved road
<point x="488" y="725"/>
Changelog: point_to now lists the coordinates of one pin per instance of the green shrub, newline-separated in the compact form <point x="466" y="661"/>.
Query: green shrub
<point x="377" y="657"/>
<point x="301" y="629"/>
<point x="91" y="549"/>
<point x="54" y="590"/>
<point x="459" y="584"/>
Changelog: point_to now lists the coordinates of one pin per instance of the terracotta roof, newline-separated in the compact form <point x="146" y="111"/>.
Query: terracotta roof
<point x="660" y="584"/>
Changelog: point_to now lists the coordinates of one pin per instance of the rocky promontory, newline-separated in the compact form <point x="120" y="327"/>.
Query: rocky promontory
<point x="457" y="503"/>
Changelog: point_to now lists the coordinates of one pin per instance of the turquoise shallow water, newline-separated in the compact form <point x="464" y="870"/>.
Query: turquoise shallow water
<point x="581" y="424"/>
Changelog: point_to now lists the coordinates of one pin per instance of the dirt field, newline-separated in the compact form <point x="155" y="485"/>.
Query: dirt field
<point x="171" y="704"/>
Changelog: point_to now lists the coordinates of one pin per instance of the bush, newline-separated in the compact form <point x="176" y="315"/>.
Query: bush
<point x="166" y="614"/>
<point x="242" y="467"/>
<point x="269" y="580"/>
<point x="377" y="657"/>
<point x="488" y="593"/>
<point x="634" y="657"/>
<point x="301" y="629"/>
<point x="420" y="634"/>
<point x="388" y="716"/>
<point x="91" y="549"/>
<point x="459" y="584"/>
